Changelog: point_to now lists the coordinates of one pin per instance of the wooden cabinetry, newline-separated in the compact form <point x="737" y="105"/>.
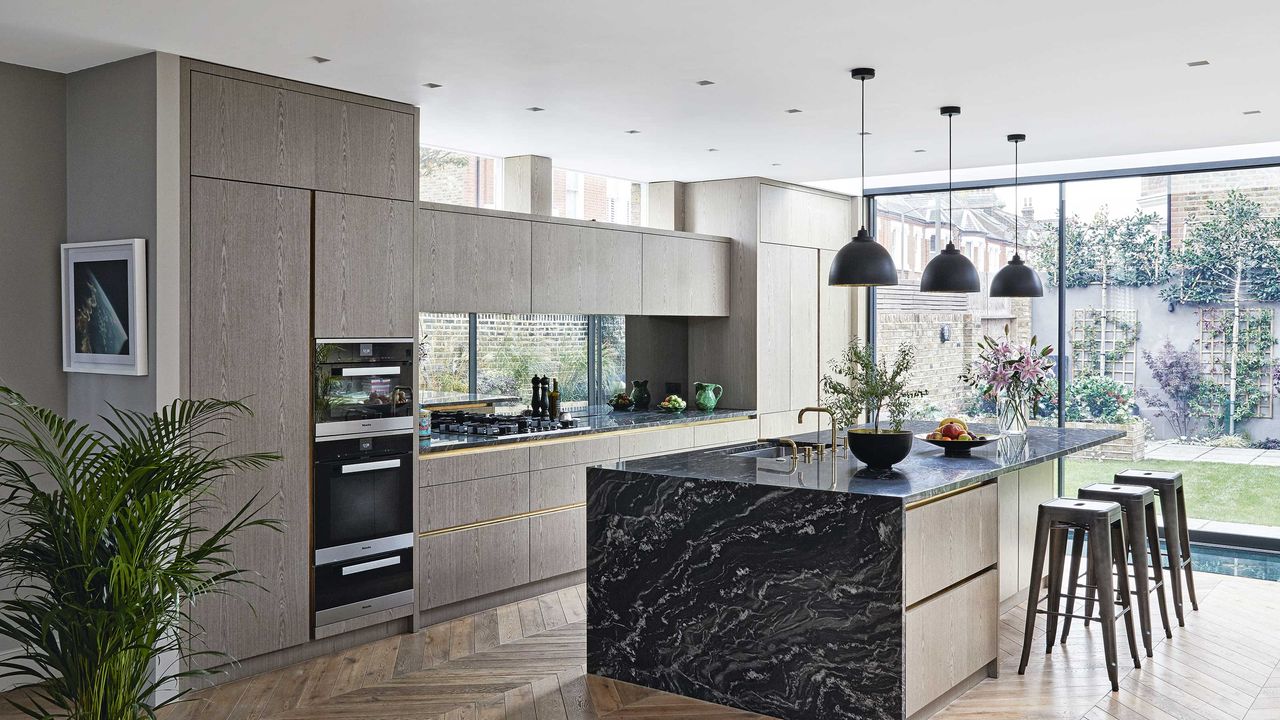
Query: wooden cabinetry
<point x="557" y="543"/>
<point x="471" y="501"/>
<point x="966" y="525"/>
<point x="835" y="316"/>
<point x="949" y="638"/>
<point x="363" y="150"/>
<point x="581" y="269"/>
<point x="248" y="131"/>
<point x="684" y="276"/>
<point x="263" y="132"/>
<point x="787" y="365"/>
<point x="1020" y="495"/>
<point x="450" y="468"/>
<point x="250" y="289"/>
<point x="363" y="267"/>
<point x="469" y="563"/>
<point x="803" y="217"/>
<point x="473" y="263"/>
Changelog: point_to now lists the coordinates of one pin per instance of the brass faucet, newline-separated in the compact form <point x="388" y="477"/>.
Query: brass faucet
<point x="820" y="409"/>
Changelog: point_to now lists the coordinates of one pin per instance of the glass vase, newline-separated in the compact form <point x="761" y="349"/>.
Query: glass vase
<point x="1012" y="411"/>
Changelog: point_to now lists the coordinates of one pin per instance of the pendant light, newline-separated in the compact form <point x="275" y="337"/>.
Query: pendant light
<point x="950" y="271"/>
<point x="862" y="262"/>
<point x="1017" y="279"/>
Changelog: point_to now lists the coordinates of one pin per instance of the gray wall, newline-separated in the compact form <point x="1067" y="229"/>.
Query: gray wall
<point x="111" y="194"/>
<point x="658" y="351"/>
<point x="33" y="211"/>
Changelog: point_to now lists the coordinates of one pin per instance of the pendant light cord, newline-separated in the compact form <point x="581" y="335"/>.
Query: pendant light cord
<point x="1017" y="209"/>
<point x="862" y="139"/>
<point x="951" y="213"/>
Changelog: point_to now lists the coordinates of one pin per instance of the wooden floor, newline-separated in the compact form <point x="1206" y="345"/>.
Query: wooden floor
<point x="528" y="661"/>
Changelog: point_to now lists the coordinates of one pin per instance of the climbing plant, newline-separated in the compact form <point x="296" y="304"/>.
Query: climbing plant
<point x="1236" y="355"/>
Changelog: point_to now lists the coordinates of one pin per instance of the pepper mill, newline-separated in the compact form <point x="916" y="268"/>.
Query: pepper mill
<point x="545" y="390"/>
<point x="535" y="405"/>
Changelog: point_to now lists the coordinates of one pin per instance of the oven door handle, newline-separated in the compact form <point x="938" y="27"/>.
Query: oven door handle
<point x="371" y="565"/>
<point x="365" y="371"/>
<point x="367" y="466"/>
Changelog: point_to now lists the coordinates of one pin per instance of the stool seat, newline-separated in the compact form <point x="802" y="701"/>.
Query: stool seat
<point x="1169" y="489"/>
<point x="1080" y="512"/>
<point x="1117" y="493"/>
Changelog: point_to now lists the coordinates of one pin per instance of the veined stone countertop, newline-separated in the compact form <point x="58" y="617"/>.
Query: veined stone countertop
<point x="925" y="473"/>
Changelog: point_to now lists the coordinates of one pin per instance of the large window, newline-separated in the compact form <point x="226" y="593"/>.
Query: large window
<point x="499" y="354"/>
<point x="458" y="178"/>
<point x="1171" y="286"/>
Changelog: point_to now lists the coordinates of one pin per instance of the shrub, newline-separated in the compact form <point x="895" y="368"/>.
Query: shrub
<point x="1094" y="398"/>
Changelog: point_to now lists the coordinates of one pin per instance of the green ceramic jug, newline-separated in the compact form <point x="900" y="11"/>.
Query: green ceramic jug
<point x="706" y="395"/>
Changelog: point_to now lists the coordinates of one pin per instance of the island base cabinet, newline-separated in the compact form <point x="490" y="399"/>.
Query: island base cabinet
<point x="558" y="543"/>
<point x="949" y="638"/>
<point x="464" y="564"/>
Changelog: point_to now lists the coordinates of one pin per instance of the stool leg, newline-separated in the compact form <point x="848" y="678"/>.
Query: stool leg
<point x="1033" y="595"/>
<point x="1153" y="545"/>
<point x="1184" y="541"/>
<point x="1091" y="589"/>
<point x="1073" y="582"/>
<point x="1053" y="606"/>
<point x="1135" y="535"/>
<point x="1100" y="571"/>
<point x="1173" y="550"/>
<point x="1118" y="545"/>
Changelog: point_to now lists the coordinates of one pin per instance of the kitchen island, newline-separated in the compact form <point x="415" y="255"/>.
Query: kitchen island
<point x="813" y="590"/>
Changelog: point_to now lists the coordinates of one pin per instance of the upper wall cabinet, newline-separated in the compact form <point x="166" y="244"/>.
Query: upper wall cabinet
<point x="363" y="267"/>
<point x="581" y="269"/>
<point x="792" y="216"/>
<point x="364" y="150"/>
<point x="472" y="263"/>
<point x="685" y="276"/>
<point x="246" y="131"/>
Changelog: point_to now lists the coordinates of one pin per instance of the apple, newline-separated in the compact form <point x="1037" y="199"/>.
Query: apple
<point x="951" y="431"/>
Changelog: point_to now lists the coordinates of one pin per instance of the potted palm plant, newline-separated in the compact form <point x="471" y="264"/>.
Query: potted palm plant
<point x="868" y="388"/>
<point x="107" y="547"/>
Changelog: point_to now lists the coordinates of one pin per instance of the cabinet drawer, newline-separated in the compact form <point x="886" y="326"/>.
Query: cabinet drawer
<point x="558" y="487"/>
<point x="465" y="564"/>
<point x="575" y="452"/>
<point x="655" y="442"/>
<point x="949" y="638"/>
<point x="726" y="433"/>
<point x="557" y="543"/>
<point x="949" y="540"/>
<point x="471" y="501"/>
<point x="470" y="466"/>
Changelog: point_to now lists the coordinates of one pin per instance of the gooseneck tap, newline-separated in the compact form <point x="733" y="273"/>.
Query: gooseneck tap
<point x="820" y="409"/>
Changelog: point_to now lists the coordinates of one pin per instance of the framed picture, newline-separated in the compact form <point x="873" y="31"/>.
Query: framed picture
<point x="104" y="307"/>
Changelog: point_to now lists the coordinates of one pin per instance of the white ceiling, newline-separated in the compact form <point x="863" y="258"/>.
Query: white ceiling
<point x="1082" y="78"/>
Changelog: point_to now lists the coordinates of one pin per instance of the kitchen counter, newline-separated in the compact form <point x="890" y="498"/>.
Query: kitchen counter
<point x="925" y="473"/>
<point x="591" y="421"/>
<point x="819" y="590"/>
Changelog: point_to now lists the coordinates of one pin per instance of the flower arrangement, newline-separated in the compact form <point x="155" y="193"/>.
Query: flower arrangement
<point x="1015" y="376"/>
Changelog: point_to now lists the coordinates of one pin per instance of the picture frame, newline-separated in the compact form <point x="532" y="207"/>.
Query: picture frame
<point x="104" y="307"/>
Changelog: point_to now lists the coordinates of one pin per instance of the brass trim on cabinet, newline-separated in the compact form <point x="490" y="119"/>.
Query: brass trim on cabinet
<point x="577" y="438"/>
<point x="948" y="494"/>
<point x="949" y="588"/>
<point x="505" y="518"/>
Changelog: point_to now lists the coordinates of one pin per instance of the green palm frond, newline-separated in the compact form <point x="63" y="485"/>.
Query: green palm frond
<point x="107" y="547"/>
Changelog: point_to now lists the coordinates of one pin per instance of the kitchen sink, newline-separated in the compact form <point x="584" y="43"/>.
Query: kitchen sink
<point x="778" y="452"/>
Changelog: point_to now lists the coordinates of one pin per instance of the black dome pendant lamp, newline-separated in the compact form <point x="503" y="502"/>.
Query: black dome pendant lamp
<point x="950" y="271"/>
<point x="1017" y="279"/>
<point x="862" y="262"/>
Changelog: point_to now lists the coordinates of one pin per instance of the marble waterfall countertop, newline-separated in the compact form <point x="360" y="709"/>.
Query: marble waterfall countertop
<point x="925" y="473"/>
<point x="591" y="420"/>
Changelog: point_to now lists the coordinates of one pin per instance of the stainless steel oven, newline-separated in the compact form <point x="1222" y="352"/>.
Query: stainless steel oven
<point x="363" y="385"/>
<point x="362" y="521"/>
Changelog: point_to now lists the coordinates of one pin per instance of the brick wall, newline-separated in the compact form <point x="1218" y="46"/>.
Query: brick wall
<point x="1189" y="194"/>
<point x="938" y="364"/>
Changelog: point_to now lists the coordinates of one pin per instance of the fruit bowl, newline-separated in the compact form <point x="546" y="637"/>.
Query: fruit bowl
<point x="672" y="404"/>
<point x="621" y="401"/>
<point x="957" y="448"/>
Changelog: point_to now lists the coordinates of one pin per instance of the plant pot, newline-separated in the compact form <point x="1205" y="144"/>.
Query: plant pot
<point x="880" y="450"/>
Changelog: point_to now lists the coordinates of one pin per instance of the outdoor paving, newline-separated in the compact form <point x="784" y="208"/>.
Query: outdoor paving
<point x="1164" y="450"/>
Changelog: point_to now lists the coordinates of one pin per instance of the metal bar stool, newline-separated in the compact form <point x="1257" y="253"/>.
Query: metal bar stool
<point x="1177" y="536"/>
<point x="1138" y="506"/>
<point x="1103" y="522"/>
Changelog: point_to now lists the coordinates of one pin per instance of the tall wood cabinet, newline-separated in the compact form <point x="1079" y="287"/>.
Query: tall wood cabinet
<point x="250" y="339"/>
<point x="364" y="266"/>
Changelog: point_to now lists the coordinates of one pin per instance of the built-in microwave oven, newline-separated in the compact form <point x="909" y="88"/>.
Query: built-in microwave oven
<point x="363" y="385"/>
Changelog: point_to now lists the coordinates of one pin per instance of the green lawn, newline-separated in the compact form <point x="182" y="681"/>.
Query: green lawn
<point x="1215" y="491"/>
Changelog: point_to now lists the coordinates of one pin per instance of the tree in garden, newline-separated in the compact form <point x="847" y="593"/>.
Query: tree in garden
<point x="1230" y="250"/>
<point x="1185" y="395"/>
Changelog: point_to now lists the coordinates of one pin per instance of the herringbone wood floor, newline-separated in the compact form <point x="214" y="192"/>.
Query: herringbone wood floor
<point x="527" y="661"/>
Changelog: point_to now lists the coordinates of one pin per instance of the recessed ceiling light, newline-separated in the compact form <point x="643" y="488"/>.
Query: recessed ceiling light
<point x="633" y="132"/>
<point x="713" y="149"/>
<point x="1197" y="63"/>
<point x="432" y="86"/>
<point x="776" y="164"/>
<point x="535" y="108"/>
<point x="1252" y="112"/>
<point x="793" y="111"/>
<point x="920" y="150"/>
<point x="319" y="59"/>
<point x="706" y="82"/>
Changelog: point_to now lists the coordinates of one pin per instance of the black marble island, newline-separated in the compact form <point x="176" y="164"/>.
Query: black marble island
<point x="809" y="590"/>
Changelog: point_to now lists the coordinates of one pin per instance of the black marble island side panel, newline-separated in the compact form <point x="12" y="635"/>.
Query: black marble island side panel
<point x="774" y="600"/>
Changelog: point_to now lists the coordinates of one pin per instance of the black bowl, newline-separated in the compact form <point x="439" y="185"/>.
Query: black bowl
<point x="880" y="450"/>
<point x="958" y="448"/>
